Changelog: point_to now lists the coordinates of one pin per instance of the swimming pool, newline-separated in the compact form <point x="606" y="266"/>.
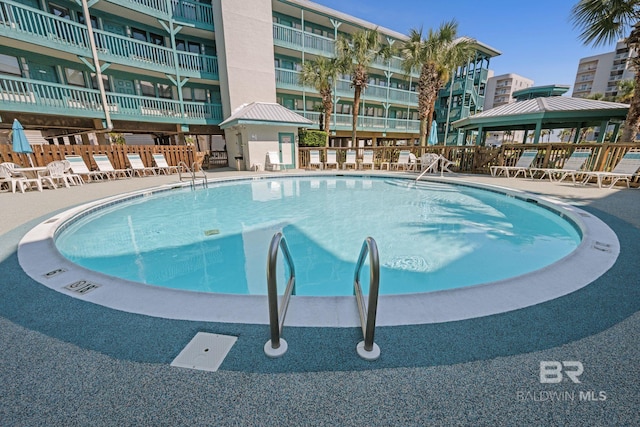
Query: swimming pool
<point x="595" y="254"/>
<point x="431" y="236"/>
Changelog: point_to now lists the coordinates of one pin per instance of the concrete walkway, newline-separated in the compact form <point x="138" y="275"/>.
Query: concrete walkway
<point x="65" y="362"/>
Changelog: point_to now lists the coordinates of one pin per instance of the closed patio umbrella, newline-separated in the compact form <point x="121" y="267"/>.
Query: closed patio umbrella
<point x="20" y="142"/>
<point x="433" y="135"/>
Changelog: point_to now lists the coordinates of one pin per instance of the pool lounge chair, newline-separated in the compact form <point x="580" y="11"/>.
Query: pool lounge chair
<point x="626" y="169"/>
<point x="79" y="167"/>
<point x="273" y="162"/>
<point x="14" y="181"/>
<point x="331" y="160"/>
<point x="350" y="160"/>
<point x="522" y="165"/>
<point x="314" y="159"/>
<point x="161" y="164"/>
<point x="138" y="166"/>
<point x="572" y="166"/>
<point x="105" y="166"/>
<point x="404" y="161"/>
<point x="74" y="179"/>
<point x="367" y="159"/>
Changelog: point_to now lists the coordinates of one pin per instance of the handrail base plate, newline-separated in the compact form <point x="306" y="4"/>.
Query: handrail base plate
<point x="367" y="355"/>
<point x="276" y="352"/>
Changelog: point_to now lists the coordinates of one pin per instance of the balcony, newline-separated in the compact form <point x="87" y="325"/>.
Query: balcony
<point x="34" y="96"/>
<point x="183" y="11"/>
<point x="34" y="26"/>
<point x="289" y="79"/>
<point x="298" y="40"/>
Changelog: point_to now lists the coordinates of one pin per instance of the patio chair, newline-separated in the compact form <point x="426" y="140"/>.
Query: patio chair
<point x="79" y="167"/>
<point x="314" y="159"/>
<point x="626" y="169"/>
<point x="55" y="173"/>
<point x="273" y="162"/>
<point x="429" y="162"/>
<point x="105" y="166"/>
<point x="73" y="178"/>
<point x="522" y="165"/>
<point x="138" y="166"/>
<point x="404" y="161"/>
<point x="350" y="160"/>
<point x="367" y="159"/>
<point x="17" y="181"/>
<point x="572" y="166"/>
<point x="331" y="159"/>
<point x="162" y="165"/>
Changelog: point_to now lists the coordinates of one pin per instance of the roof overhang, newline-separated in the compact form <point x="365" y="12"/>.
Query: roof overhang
<point x="266" y="114"/>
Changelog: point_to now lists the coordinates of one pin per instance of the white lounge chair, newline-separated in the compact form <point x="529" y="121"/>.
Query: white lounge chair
<point x="626" y="169"/>
<point x="138" y="166"/>
<point x="572" y="166"/>
<point x="161" y="164"/>
<point x="522" y="165"/>
<point x="79" y="167"/>
<point x="331" y="159"/>
<point x="367" y="159"/>
<point x="105" y="166"/>
<point x="273" y="162"/>
<point x="314" y="159"/>
<point x="74" y="179"/>
<point x="350" y="160"/>
<point x="404" y="161"/>
<point x="17" y="181"/>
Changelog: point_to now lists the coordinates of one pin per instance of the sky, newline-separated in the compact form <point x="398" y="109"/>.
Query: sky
<point x="537" y="39"/>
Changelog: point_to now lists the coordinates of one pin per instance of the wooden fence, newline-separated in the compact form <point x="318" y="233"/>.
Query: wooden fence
<point x="474" y="159"/>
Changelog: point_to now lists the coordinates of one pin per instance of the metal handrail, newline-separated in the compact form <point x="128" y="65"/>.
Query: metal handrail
<point x="277" y="346"/>
<point x="368" y="349"/>
<point x="192" y="172"/>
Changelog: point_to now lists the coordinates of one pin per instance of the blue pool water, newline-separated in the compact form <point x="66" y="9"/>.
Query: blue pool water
<point x="430" y="236"/>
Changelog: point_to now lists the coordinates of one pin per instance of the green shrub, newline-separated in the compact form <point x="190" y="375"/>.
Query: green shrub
<point x="312" y="138"/>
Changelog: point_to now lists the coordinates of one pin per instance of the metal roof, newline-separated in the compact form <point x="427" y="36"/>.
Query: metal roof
<point x="268" y="113"/>
<point x="560" y="111"/>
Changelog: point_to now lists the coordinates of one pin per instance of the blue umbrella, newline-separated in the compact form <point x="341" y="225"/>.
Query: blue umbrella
<point x="433" y="135"/>
<point x="20" y="142"/>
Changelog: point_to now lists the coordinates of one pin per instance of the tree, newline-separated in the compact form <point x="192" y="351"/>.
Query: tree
<point x="626" y="91"/>
<point x="354" y="58"/>
<point x="321" y="73"/>
<point x="436" y="56"/>
<point x="603" y="22"/>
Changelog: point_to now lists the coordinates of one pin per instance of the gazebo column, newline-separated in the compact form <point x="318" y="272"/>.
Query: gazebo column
<point x="603" y="130"/>
<point x="536" y="135"/>
<point x="576" y="137"/>
<point x="616" y="129"/>
<point x="524" y="136"/>
<point x="480" y="138"/>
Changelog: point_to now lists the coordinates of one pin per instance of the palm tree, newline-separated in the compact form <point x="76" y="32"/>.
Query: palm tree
<point x="604" y="22"/>
<point x="321" y="73"/>
<point x="626" y="91"/>
<point x="354" y="58"/>
<point x="436" y="56"/>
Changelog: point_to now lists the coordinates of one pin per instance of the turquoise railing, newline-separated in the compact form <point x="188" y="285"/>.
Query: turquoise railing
<point x="202" y="64"/>
<point x="19" y="94"/>
<point x="19" y="20"/>
<point x="121" y="47"/>
<point x="378" y="124"/>
<point x="289" y="79"/>
<point x="181" y="10"/>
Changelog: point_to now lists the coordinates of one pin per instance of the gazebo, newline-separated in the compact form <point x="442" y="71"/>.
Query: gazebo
<point x="554" y="112"/>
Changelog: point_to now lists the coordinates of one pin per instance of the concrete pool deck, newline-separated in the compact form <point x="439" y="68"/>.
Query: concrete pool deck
<point x="67" y="362"/>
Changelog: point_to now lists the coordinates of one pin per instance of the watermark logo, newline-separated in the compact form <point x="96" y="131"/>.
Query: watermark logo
<point x="557" y="372"/>
<point x="551" y="371"/>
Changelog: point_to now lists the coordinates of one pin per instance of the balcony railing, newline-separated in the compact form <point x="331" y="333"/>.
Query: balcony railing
<point x="32" y="25"/>
<point x="19" y="94"/>
<point x="366" y="123"/>
<point x="194" y="12"/>
<point x="289" y="79"/>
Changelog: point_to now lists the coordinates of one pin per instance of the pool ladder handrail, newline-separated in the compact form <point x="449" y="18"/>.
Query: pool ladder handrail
<point x="277" y="346"/>
<point x="440" y="163"/>
<point x="368" y="349"/>
<point x="192" y="172"/>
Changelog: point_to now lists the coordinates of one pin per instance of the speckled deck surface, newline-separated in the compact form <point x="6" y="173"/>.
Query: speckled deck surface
<point x="67" y="362"/>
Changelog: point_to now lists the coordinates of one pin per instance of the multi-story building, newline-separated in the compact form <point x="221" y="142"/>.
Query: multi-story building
<point x="601" y="73"/>
<point x="169" y="68"/>
<point x="500" y="89"/>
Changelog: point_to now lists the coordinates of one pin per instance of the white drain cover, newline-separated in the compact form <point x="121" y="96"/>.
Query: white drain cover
<point x="205" y="352"/>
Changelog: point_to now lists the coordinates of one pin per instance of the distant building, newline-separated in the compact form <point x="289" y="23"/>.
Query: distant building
<point x="601" y="73"/>
<point x="500" y="89"/>
<point x="499" y="92"/>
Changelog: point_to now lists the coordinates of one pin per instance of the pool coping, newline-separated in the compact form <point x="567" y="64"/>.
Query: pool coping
<point x="596" y="253"/>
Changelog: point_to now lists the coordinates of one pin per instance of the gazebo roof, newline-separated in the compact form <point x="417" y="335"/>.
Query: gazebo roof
<point x="552" y="113"/>
<point x="265" y="113"/>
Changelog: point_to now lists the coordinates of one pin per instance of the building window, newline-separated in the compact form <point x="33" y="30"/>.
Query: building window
<point x="105" y="82"/>
<point x="164" y="91"/>
<point x="9" y="65"/>
<point x="139" y="34"/>
<point x="74" y="77"/>
<point x="147" y="89"/>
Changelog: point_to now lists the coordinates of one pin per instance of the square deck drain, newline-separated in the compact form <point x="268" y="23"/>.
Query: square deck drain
<point x="205" y="352"/>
